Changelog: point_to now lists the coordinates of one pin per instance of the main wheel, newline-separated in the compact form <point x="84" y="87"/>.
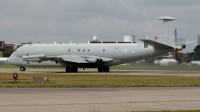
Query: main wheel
<point x="22" y="69"/>
<point x="74" y="69"/>
<point x="68" y="69"/>
<point x="106" y="69"/>
<point x="100" y="69"/>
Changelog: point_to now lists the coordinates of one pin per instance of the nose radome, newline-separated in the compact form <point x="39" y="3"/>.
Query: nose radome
<point x="12" y="60"/>
<point x="7" y="61"/>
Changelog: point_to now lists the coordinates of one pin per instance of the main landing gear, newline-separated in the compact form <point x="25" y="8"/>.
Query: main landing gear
<point x="71" y="69"/>
<point x="22" y="69"/>
<point x="103" y="69"/>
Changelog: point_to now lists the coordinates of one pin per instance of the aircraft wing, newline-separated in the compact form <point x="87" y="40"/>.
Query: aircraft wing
<point x="72" y="58"/>
<point x="83" y="59"/>
<point x="67" y="58"/>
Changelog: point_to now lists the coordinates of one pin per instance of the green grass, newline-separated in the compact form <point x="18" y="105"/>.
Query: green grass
<point x="96" y="80"/>
<point x="122" y="67"/>
<point x="155" y="67"/>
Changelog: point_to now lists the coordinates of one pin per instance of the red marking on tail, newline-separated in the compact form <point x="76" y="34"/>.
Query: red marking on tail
<point x="155" y="38"/>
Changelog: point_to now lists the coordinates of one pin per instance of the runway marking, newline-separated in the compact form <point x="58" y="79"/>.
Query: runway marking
<point x="10" y="105"/>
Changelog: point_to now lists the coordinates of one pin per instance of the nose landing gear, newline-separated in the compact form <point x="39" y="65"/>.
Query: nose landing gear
<point x="22" y="69"/>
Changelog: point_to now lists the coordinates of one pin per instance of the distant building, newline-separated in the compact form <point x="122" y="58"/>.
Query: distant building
<point x="2" y="44"/>
<point x="180" y="57"/>
<point x="197" y="63"/>
<point x="173" y="58"/>
<point x="5" y="49"/>
<point x="168" y="62"/>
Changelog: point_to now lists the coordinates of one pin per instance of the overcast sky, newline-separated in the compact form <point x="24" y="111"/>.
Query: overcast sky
<point x="47" y="21"/>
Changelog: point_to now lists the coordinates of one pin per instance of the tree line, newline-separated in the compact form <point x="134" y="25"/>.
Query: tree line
<point x="193" y="56"/>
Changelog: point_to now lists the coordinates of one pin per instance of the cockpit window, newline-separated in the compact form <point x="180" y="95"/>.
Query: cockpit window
<point x="15" y="50"/>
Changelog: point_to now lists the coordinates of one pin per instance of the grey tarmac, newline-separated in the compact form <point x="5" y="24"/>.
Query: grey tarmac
<point x="119" y="72"/>
<point x="98" y="99"/>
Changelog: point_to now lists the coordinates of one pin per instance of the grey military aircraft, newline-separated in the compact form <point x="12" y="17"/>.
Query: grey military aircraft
<point x="96" y="54"/>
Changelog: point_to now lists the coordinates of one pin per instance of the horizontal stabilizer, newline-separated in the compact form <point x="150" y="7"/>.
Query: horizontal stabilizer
<point x="189" y="42"/>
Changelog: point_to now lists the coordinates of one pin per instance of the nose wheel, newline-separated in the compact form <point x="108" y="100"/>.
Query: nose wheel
<point x="22" y="69"/>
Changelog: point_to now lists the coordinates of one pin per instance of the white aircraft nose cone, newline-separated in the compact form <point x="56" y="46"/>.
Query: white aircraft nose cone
<point x="7" y="60"/>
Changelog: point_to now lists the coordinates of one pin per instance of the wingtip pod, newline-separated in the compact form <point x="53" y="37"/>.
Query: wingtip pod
<point x="180" y="48"/>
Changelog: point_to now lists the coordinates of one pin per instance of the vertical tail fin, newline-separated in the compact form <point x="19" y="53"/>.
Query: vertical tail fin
<point x="166" y="34"/>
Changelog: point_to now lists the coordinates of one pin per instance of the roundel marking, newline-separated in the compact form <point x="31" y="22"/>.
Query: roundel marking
<point x="125" y="50"/>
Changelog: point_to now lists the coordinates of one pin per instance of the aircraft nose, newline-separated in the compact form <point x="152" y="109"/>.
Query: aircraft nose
<point x="10" y="60"/>
<point x="7" y="61"/>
